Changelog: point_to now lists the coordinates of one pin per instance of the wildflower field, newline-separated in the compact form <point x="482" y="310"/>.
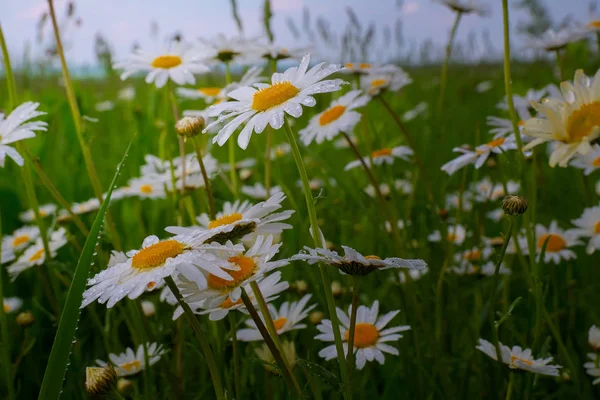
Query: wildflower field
<point x="228" y="218"/>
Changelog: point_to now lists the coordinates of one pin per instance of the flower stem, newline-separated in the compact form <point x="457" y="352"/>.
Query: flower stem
<point x="207" y="184"/>
<point x="511" y="382"/>
<point x="444" y="75"/>
<point x="10" y="78"/>
<point x="316" y="234"/>
<point x="352" y="331"/>
<point x="287" y="374"/>
<point x="237" y="374"/>
<point x="200" y="335"/>
<point x="4" y="341"/>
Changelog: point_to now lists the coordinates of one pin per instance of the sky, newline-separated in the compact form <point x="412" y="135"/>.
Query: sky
<point x="123" y="22"/>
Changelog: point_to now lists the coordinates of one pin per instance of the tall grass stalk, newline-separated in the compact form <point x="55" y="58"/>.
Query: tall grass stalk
<point x="444" y="73"/>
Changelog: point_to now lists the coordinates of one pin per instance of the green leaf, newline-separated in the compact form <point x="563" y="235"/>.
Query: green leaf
<point x="236" y="15"/>
<point x="61" y="349"/>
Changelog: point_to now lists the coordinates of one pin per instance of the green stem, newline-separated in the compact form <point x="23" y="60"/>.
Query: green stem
<point x="4" y="341"/>
<point x="207" y="184"/>
<point x="350" y="355"/>
<point x="316" y="234"/>
<point x="237" y="374"/>
<point x="509" y="390"/>
<point x="444" y="76"/>
<point x="202" y="339"/>
<point x="10" y="78"/>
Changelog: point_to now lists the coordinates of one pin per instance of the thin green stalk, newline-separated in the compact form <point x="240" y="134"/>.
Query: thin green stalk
<point x="232" y="170"/>
<point x="444" y="75"/>
<point x="237" y="373"/>
<point x="316" y="234"/>
<point x="270" y="325"/>
<point x="509" y="390"/>
<point x="207" y="184"/>
<point x="10" y="78"/>
<point x="4" y="341"/>
<point x="202" y="339"/>
<point x="352" y="331"/>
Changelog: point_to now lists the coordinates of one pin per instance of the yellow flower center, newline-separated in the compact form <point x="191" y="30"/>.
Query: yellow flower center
<point x="210" y="91"/>
<point x="157" y="254"/>
<point x="474" y="255"/>
<point x="521" y="123"/>
<point x="492" y="144"/>
<point x="43" y="213"/>
<point x="331" y="115"/>
<point x="597" y="227"/>
<point x="381" y="153"/>
<point x="247" y="267"/>
<point x="166" y="62"/>
<point x="36" y="256"/>
<point x="596" y="162"/>
<point x="279" y="323"/>
<point x="146" y="189"/>
<point x="279" y="152"/>
<point x="555" y="242"/>
<point x="365" y="335"/>
<point x="594" y="24"/>
<point x="349" y="65"/>
<point x="364" y="66"/>
<point x="274" y="95"/>
<point x="128" y="366"/>
<point x="227" y="303"/>
<point x="372" y="257"/>
<point x="582" y="121"/>
<point x="451" y="237"/>
<point x="225" y="220"/>
<point x="515" y="358"/>
<point x="19" y="240"/>
<point x="378" y="83"/>
<point x="6" y="308"/>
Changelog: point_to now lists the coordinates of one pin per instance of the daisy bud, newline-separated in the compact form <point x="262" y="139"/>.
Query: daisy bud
<point x="148" y="308"/>
<point x="245" y="173"/>
<point x="100" y="381"/>
<point x="124" y="386"/>
<point x="269" y="361"/>
<point x="316" y="317"/>
<point x="337" y="289"/>
<point x="25" y="319"/>
<point x="299" y="286"/>
<point x="189" y="126"/>
<point x="514" y="205"/>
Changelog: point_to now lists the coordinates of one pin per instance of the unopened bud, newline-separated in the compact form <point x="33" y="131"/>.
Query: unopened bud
<point x="315" y="317"/>
<point x="337" y="289"/>
<point x="514" y="205"/>
<point x="300" y="286"/>
<point x="25" y="319"/>
<point x="189" y="126"/>
<point x="124" y="386"/>
<point x="100" y="381"/>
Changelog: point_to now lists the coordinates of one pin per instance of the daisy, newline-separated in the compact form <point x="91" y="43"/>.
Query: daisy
<point x="370" y="335"/>
<point x="474" y="256"/>
<point x="286" y="319"/>
<point x="133" y="273"/>
<point x="466" y="6"/>
<point x="225" y="49"/>
<point x="594" y="337"/>
<point x="419" y="109"/>
<point x="258" y="191"/>
<point x="126" y="94"/>
<point x="593" y="367"/>
<point x="517" y="358"/>
<point x="240" y="219"/>
<point x="178" y="62"/>
<point x="36" y="255"/>
<point x="265" y="104"/>
<point x="486" y="191"/>
<point x="148" y="308"/>
<point x="20" y="238"/>
<point x="553" y="40"/>
<point x="209" y="93"/>
<point x="593" y="25"/>
<point x="271" y="51"/>
<point x="84" y="207"/>
<point x="11" y="304"/>
<point x="589" y="162"/>
<point x="130" y="363"/>
<point x="572" y="122"/>
<point x="383" y="156"/>
<point x="338" y="117"/>
<point x="415" y="274"/>
<point x="588" y="225"/>
<point x="354" y="263"/>
<point x="193" y="173"/>
<point x="454" y="201"/>
<point x="198" y="282"/>
<point x="280" y="150"/>
<point x="104" y="106"/>
<point x="522" y="104"/>
<point x="480" y="155"/>
<point x="358" y="68"/>
<point x="15" y="127"/>
<point x="148" y="188"/>
<point x="391" y="79"/>
<point x="495" y="215"/>
<point x="456" y="234"/>
<point x="265" y="355"/>
<point x="559" y="242"/>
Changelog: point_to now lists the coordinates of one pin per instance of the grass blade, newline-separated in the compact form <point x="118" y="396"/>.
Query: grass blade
<point x="61" y="349"/>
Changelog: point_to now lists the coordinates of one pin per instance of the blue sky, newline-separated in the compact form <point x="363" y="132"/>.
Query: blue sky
<point x="124" y="21"/>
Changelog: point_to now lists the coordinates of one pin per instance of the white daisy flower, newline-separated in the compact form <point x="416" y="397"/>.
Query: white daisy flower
<point x="35" y="254"/>
<point x="258" y="191"/>
<point x="383" y="156"/>
<point x="104" y="106"/>
<point x="480" y="155"/>
<point x="588" y="162"/>
<point x="390" y="79"/>
<point x="20" y="238"/>
<point x="144" y="269"/>
<point x="466" y="6"/>
<point x="495" y="215"/>
<point x="280" y="150"/>
<point x="456" y="234"/>
<point x="178" y="62"/>
<point x="226" y="49"/>
<point x="240" y="219"/>
<point x="126" y="94"/>
<point x="370" y="334"/>
<point x="209" y="93"/>
<point x="11" y="304"/>
<point x="588" y="226"/>
<point x="148" y="188"/>
<point x="358" y="68"/>
<point x="155" y="167"/>
<point x="592" y="367"/>
<point x="559" y="243"/>
<point x="593" y="25"/>
<point x="453" y="201"/>
<point x="476" y="256"/>
<point x="271" y="51"/>
<point x="265" y="104"/>
<point x="130" y="363"/>
<point x="415" y="274"/>
<point x="193" y="173"/>
<point x="15" y="127"/>
<point x="517" y="358"/>
<point x="572" y="121"/>
<point x="45" y="210"/>
<point x="553" y="40"/>
<point x="286" y="319"/>
<point x="354" y="263"/>
<point x="594" y="337"/>
<point x="384" y="188"/>
<point x="522" y="104"/>
<point x="148" y="308"/>
<point x="338" y="117"/>
<point x="485" y="190"/>
<point x="84" y="207"/>
<point x="199" y="282"/>
<point x="242" y="164"/>
<point x="419" y="109"/>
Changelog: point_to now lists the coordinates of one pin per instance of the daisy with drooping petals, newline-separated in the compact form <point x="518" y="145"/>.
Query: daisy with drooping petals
<point x="370" y="335"/>
<point x="240" y="219"/>
<point x="383" y="156"/>
<point x="592" y="368"/>
<point x="589" y="162"/>
<point x="271" y="51"/>
<point x="226" y="49"/>
<point x="11" y="304"/>
<point x="266" y="104"/>
<point x="456" y="234"/>
<point x="133" y="273"/>
<point x="130" y="363"/>
<point x="588" y="225"/>
<point x="258" y="191"/>
<point x="517" y="358"/>
<point x="286" y="319"/>
<point x="178" y="62"/>
<point x="572" y="123"/>
<point x="338" y="117"/>
<point x="354" y="263"/>
<point x="45" y="210"/>
<point x="20" y="238"/>
<point x="466" y="6"/>
<point x="553" y="40"/>
<point x="392" y="79"/>
<point x="36" y="255"/>
<point x="15" y="127"/>
<point x="480" y="155"/>
<point x="559" y="243"/>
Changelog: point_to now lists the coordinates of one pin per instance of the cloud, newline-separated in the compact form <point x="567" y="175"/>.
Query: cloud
<point x="286" y="5"/>
<point x="410" y="7"/>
